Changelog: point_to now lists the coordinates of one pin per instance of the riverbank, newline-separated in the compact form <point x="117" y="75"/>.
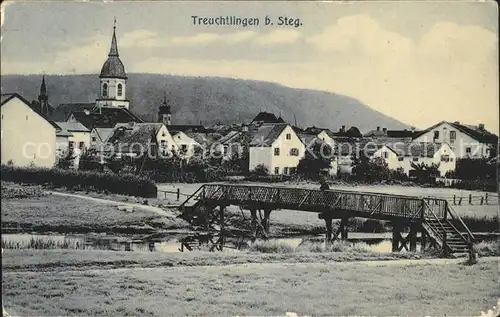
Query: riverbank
<point x="87" y="283"/>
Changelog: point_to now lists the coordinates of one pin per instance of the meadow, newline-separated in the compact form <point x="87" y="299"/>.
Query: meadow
<point x="319" y="287"/>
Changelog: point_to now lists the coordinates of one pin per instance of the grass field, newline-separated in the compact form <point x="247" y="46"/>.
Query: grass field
<point x="66" y="214"/>
<point x="416" y="288"/>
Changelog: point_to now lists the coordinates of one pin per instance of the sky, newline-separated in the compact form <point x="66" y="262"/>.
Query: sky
<point x="419" y="62"/>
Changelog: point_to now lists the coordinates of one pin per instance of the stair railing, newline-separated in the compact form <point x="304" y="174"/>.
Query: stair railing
<point x="455" y="216"/>
<point x="443" y="238"/>
<point x="193" y="195"/>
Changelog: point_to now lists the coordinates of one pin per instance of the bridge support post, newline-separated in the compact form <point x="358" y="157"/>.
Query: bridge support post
<point x="413" y="236"/>
<point x="423" y="239"/>
<point x="265" y="221"/>
<point x="253" y="212"/>
<point x="328" y="237"/>
<point x="396" y="236"/>
<point x="344" y="230"/>
<point x="221" y="223"/>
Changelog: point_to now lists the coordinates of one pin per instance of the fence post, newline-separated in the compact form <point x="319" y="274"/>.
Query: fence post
<point x="178" y="193"/>
<point x="454" y="200"/>
<point x="486" y="198"/>
<point x="482" y="198"/>
<point x="470" y="199"/>
<point x="165" y="195"/>
<point x="460" y="201"/>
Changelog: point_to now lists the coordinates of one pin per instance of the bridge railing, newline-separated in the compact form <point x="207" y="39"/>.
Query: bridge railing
<point x="315" y="200"/>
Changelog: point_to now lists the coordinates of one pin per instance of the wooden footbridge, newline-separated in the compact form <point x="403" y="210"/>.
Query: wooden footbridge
<point x="428" y="216"/>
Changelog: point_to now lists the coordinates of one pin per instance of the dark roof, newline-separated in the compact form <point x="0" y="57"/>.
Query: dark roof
<point x="63" y="111"/>
<point x="113" y="67"/>
<point x="186" y="128"/>
<point x="376" y="133"/>
<point x="92" y="117"/>
<point x="134" y="138"/>
<point x="8" y="96"/>
<point x="401" y="133"/>
<point x="267" y="117"/>
<point x="267" y="134"/>
<point x="481" y="135"/>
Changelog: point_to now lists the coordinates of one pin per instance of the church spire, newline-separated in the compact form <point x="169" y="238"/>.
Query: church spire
<point x="113" y="51"/>
<point x="43" y="87"/>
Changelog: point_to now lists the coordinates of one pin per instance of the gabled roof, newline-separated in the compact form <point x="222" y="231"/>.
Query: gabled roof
<point x="73" y="126"/>
<point x="204" y="138"/>
<point x="9" y="96"/>
<point x="134" y="138"/>
<point x="481" y="135"/>
<point x="267" y="117"/>
<point x="104" y="133"/>
<point x="414" y="149"/>
<point x="267" y="134"/>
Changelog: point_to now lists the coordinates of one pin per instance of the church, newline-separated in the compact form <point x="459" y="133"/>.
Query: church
<point x="111" y="106"/>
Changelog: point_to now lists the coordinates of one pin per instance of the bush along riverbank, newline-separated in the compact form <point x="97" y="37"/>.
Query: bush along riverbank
<point x="127" y="184"/>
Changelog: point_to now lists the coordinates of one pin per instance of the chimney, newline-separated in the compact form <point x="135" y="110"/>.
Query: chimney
<point x="378" y="128"/>
<point x="456" y="122"/>
<point x="343" y="128"/>
<point x="481" y="126"/>
<point x="384" y="129"/>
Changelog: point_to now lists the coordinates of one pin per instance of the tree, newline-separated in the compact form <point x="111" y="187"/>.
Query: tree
<point x="370" y="170"/>
<point x="66" y="161"/>
<point x="260" y="170"/>
<point x="423" y="172"/>
<point x="316" y="160"/>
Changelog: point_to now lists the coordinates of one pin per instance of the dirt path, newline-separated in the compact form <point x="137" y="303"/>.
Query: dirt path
<point x="114" y="203"/>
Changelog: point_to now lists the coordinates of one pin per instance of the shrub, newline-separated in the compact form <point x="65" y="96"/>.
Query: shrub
<point x="260" y="170"/>
<point x="271" y="247"/>
<point x="126" y="184"/>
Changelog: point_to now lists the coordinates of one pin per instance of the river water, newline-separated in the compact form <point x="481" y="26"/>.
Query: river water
<point x="179" y="243"/>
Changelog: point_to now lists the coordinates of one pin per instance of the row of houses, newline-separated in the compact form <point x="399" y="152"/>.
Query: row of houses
<point x="38" y="133"/>
<point x="269" y="140"/>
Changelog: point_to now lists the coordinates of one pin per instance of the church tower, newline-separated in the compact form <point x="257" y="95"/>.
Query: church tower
<point x="113" y="79"/>
<point x="165" y="113"/>
<point x="43" y="98"/>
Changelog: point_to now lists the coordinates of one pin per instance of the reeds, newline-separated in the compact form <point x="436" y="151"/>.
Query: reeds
<point x="38" y="243"/>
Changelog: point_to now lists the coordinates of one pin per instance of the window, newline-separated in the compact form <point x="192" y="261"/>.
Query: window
<point x="276" y="151"/>
<point x="415" y="159"/>
<point x="81" y="145"/>
<point x="451" y="159"/>
<point x="386" y="154"/>
<point x="293" y="170"/>
<point x="288" y="136"/>
<point x="468" y="150"/>
<point x="436" y="135"/>
<point x="445" y="158"/>
<point x="285" y="170"/>
<point x="184" y="147"/>
<point x="26" y="117"/>
<point x="453" y="135"/>
<point x="163" y="143"/>
<point x="294" y="152"/>
<point x="71" y="144"/>
<point x="225" y="150"/>
<point x="94" y="139"/>
<point x="105" y="90"/>
<point x="276" y="170"/>
<point x="400" y="159"/>
<point x="119" y="90"/>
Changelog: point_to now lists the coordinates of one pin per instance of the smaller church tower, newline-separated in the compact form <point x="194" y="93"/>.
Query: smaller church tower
<point x="165" y="112"/>
<point x="43" y="98"/>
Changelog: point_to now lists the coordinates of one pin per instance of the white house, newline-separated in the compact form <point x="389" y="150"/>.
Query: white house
<point x="62" y="143"/>
<point x="465" y="140"/>
<point x="403" y="155"/>
<point x="80" y="135"/>
<point x="277" y="147"/>
<point x="27" y="136"/>
<point x="99" y="136"/>
<point x="185" y="143"/>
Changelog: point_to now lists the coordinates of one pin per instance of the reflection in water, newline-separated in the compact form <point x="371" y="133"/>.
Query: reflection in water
<point x="175" y="243"/>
